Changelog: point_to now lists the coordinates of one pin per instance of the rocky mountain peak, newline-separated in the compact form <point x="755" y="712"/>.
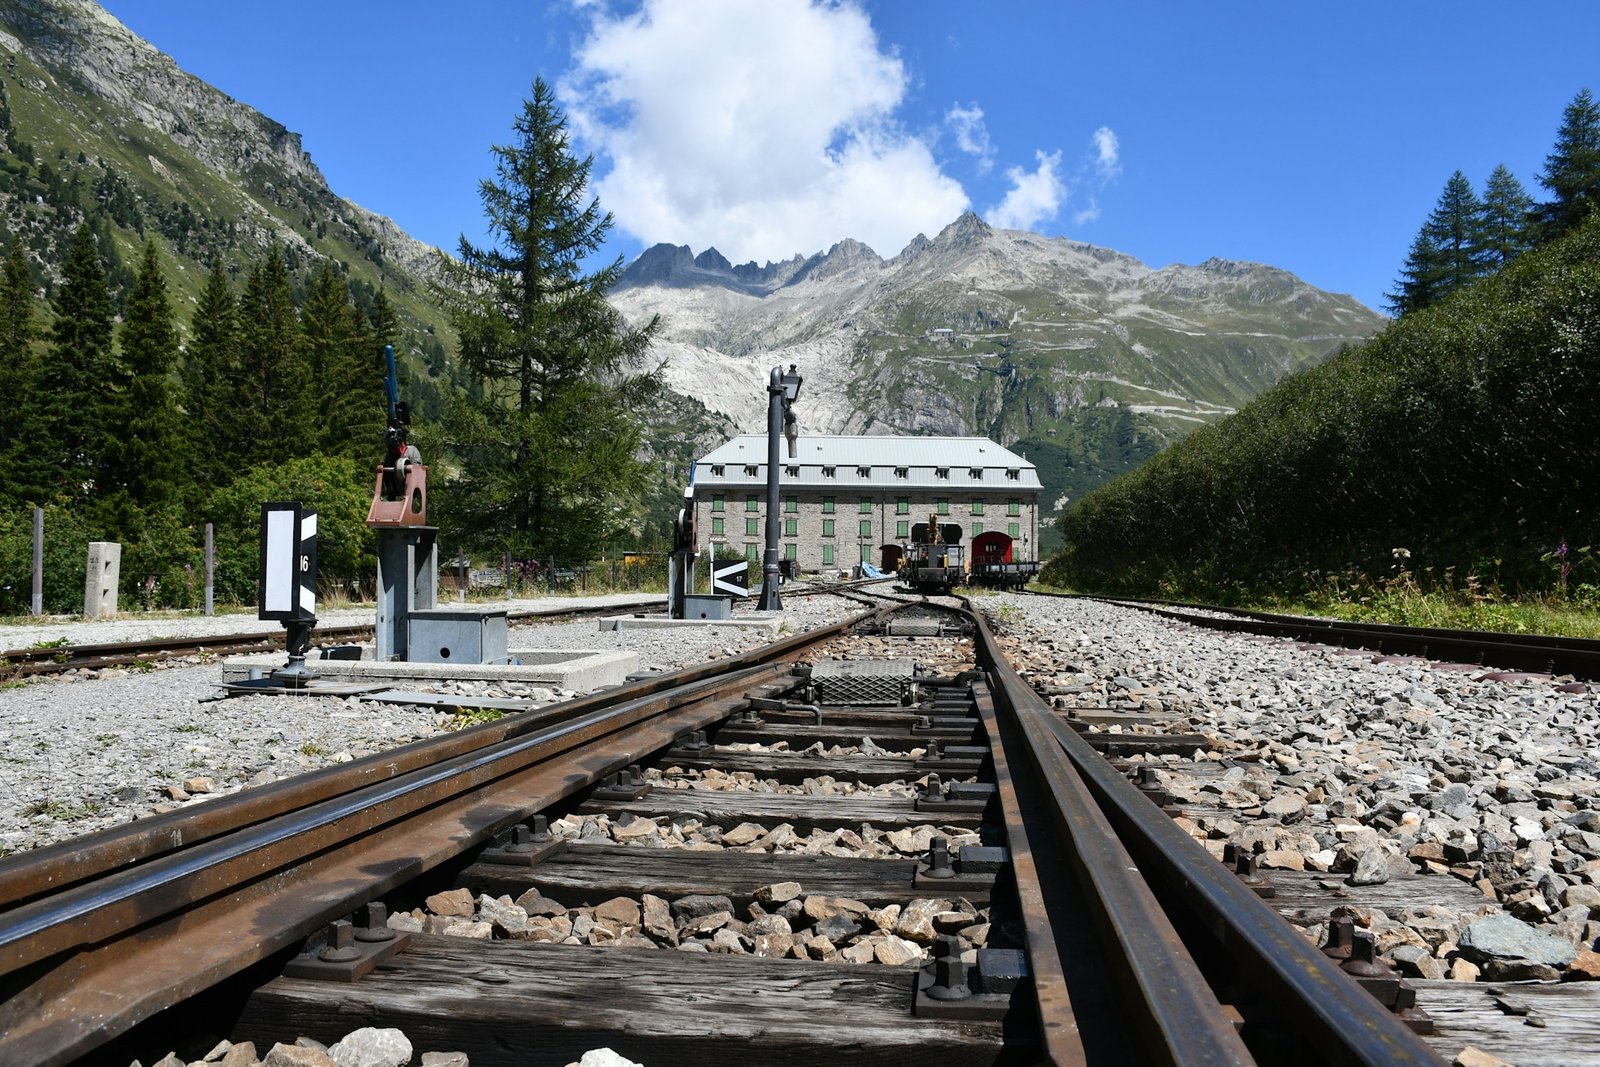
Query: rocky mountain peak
<point x="967" y="230"/>
<point x="713" y="260"/>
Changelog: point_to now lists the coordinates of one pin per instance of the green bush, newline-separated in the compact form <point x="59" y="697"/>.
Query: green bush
<point x="1464" y="434"/>
<point x="338" y="489"/>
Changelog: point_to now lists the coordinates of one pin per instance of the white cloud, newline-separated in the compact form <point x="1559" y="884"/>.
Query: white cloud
<point x="1034" y="196"/>
<point x="1106" y="152"/>
<point x="764" y="129"/>
<point x="1088" y="214"/>
<point x="972" y="136"/>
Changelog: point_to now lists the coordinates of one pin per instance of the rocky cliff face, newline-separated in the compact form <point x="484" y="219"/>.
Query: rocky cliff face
<point x="1032" y="340"/>
<point x="977" y="311"/>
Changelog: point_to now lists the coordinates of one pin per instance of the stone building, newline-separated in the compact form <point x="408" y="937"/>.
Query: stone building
<point x="846" y="500"/>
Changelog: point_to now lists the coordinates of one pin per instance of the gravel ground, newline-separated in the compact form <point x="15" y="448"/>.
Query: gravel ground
<point x="93" y="749"/>
<point x="1362" y="768"/>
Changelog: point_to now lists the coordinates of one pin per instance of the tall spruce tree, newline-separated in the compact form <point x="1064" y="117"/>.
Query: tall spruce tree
<point x="17" y="332"/>
<point x="1506" y="205"/>
<point x="339" y="348"/>
<point x="1448" y="253"/>
<point x="274" y="403"/>
<point x="1572" y="169"/>
<point x="151" y="455"/>
<point x="547" y="453"/>
<point x="210" y="374"/>
<point x="71" y="417"/>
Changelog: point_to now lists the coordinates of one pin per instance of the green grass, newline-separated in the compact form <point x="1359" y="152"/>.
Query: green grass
<point x="1452" y="611"/>
<point x="1401" y="601"/>
<point x="462" y="718"/>
<point x="61" y="811"/>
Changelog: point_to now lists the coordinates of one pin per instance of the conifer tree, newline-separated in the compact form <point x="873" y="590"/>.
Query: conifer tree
<point x="1448" y="253"/>
<point x="1572" y="169"/>
<point x="385" y="326"/>
<point x="210" y="371"/>
<point x="16" y="343"/>
<point x="339" y="348"/>
<point x="72" y="411"/>
<point x="274" y="407"/>
<point x="1505" y="218"/>
<point x="150" y="456"/>
<point x="1420" y="282"/>
<point x="547" y="453"/>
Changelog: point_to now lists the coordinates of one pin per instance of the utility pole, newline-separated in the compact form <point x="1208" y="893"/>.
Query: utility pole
<point x="782" y="391"/>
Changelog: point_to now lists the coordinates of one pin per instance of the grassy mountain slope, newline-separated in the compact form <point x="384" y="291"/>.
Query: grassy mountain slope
<point x="1459" y="441"/>
<point x="104" y="125"/>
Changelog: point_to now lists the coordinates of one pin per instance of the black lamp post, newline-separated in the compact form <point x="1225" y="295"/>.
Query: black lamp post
<point x="782" y="391"/>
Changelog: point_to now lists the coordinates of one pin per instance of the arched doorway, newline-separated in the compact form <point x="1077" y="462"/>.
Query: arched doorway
<point x="991" y="547"/>
<point x="892" y="554"/>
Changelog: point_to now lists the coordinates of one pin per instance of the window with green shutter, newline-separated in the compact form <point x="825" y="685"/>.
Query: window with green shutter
<point x="827" y="555"/>
<point x="791" y="504"/>
<point x="752" y="552"/>
<point x="866" y="553"/>
<point x="791" y="527"/>
<point x="827" y="505"/>
<point x="977" y="507"/>
<point x="866" y="505"/>
<point x="977" y="528"/>
<point x="902" y="505"/>
<point x="1013" y="507"/>
<point x="902" y="529"/>
<point x="790" y="549"/>
<point x="944" y="505"/>
<point x="866" y="527"/>
<point x="752" y="502"/>
<point x="752" y="527"/>
<point x="1013" y="530"/>
<point x="827" y="527"/>
<point x="716" y="526"/>
<point x="716" y="501"/>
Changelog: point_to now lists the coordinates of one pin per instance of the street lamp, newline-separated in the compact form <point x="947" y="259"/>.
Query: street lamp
<point x="782" y="391"/>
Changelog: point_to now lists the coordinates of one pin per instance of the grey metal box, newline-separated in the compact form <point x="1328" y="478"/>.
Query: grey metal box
<point x="456" y="635"/>
<point x="862" y="681"/>
<point x="704" y="606"/>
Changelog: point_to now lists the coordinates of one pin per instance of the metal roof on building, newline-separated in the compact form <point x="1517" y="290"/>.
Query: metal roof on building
<point x="929" y="462"/>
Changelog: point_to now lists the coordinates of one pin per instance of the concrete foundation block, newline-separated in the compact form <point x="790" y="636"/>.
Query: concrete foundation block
<point x="100" y="579"/>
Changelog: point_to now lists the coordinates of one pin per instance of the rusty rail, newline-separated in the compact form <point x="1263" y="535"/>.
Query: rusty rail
<point x="26" y="662"/>
<point x="1129" y="857"/>
<point x="100" y="934"/>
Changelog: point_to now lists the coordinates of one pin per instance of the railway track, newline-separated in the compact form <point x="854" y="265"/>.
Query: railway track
<point x="1027" y="904"/>
<point x="33" y="662"/>
<point x="1530" y="653"/>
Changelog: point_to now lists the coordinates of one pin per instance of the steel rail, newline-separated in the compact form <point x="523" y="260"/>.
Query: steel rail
<point x="1171" y="1012"/>
<point x="50" y="869"/>
<point x="90" y="912"/>
<point x="76" y="1000"/>
<point x="1533" y="653"/>
<point x="32" y="661"/>
<point x="1336" y="1020"/>
<point x="86" y="964"/>
<point x="1323" y="1005"/>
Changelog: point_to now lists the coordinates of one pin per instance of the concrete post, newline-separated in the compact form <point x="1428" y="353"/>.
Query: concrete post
<point x="100" y="579"/>
<point x="211" y="569"/>
<point x="38" y="561"/>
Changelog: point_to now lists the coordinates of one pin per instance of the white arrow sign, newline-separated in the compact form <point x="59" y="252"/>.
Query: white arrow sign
<point x="731" y="578"/>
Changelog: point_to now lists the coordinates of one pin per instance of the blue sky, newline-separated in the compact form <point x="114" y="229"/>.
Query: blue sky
<point x="1312" y="137"/>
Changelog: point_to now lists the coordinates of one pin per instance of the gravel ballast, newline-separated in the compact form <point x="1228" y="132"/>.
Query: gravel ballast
<point x="1366" y="768"/>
